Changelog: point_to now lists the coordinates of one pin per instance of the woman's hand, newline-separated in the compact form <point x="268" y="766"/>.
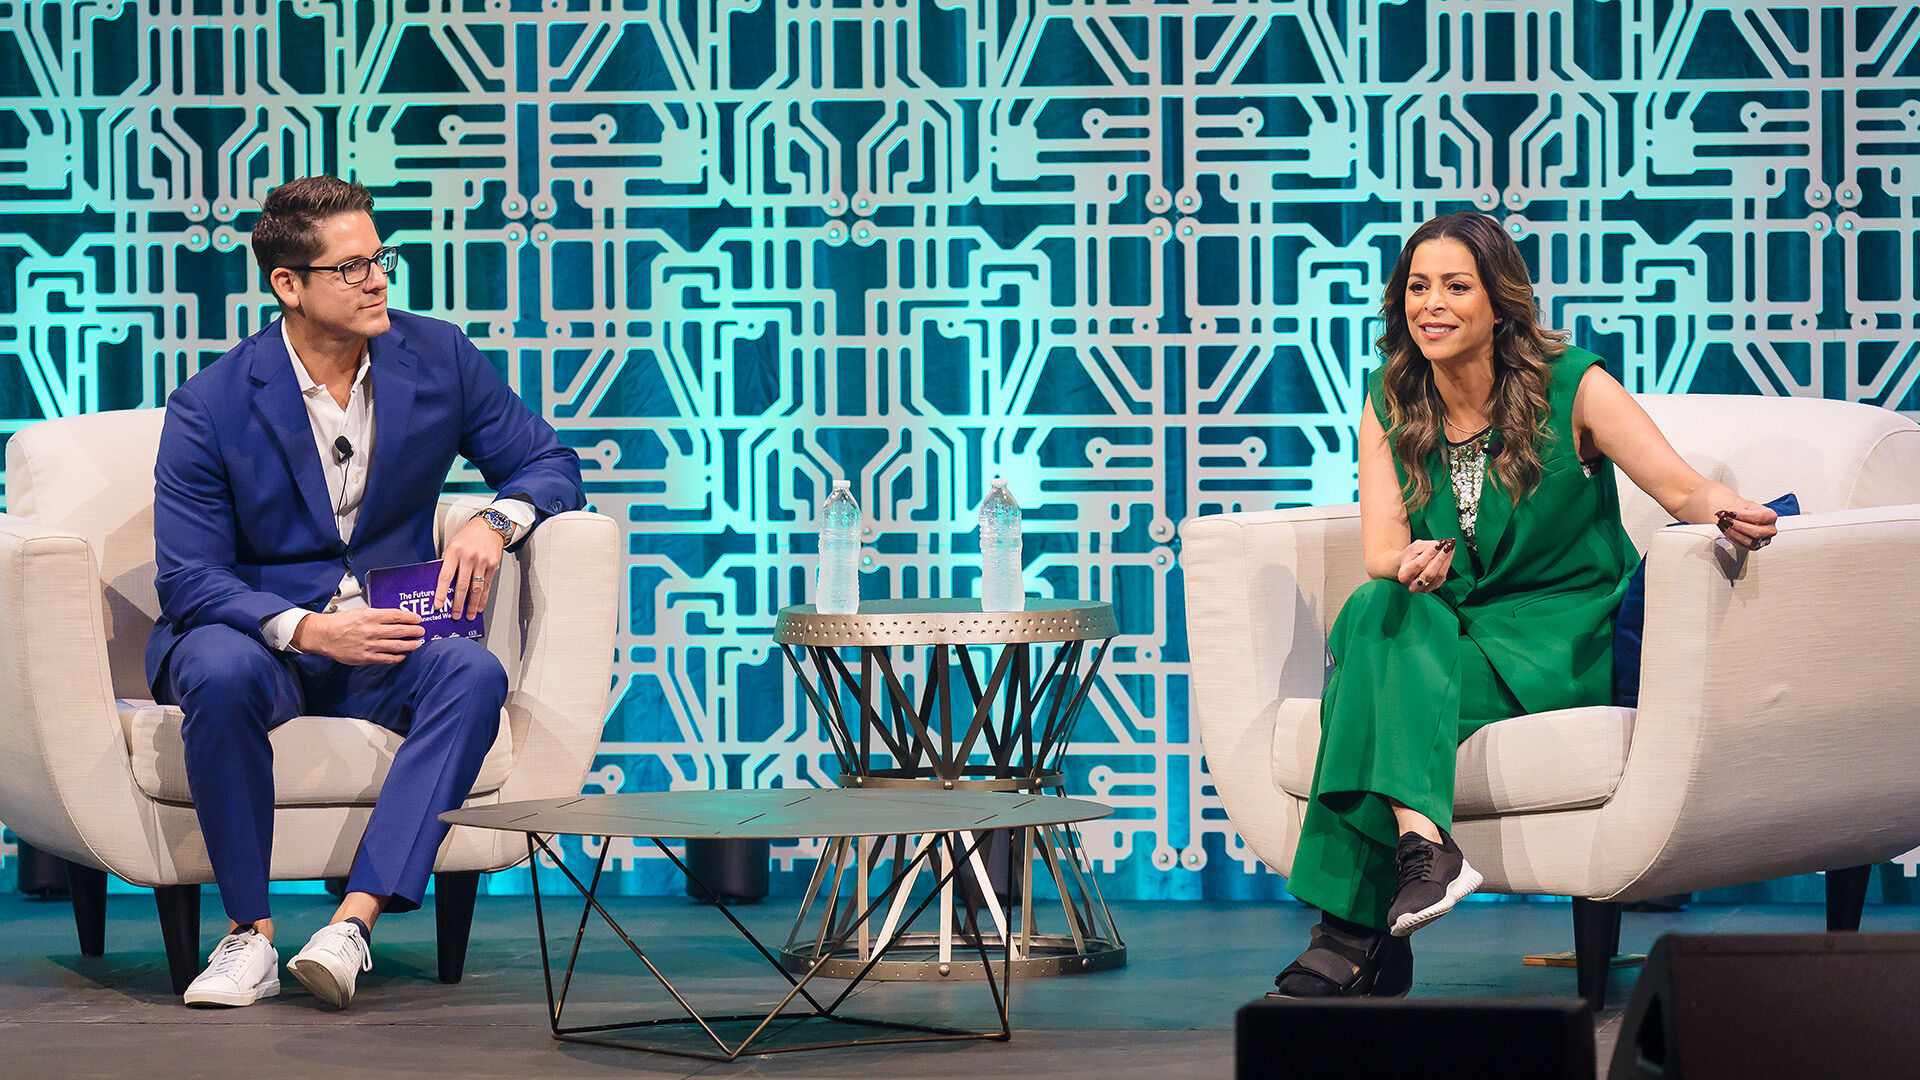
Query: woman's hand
<point x="1424" y="564"/>
<point x="1745" y="522"/>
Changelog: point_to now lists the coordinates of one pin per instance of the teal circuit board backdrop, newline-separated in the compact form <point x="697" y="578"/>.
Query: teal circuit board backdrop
<point x="1124" y="253"/>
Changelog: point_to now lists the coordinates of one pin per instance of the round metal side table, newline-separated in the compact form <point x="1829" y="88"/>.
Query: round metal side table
<point x="987" y="704"/>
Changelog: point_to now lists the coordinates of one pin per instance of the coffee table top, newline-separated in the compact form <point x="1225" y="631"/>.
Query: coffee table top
<point x="784" y="813"/>
<point x="938" y="621"/>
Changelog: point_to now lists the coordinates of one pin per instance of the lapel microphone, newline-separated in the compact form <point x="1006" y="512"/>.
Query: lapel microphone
<point x="344" y="450"/>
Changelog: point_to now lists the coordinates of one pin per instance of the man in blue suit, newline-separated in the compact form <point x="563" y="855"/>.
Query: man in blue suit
<point x="313" y="452"/>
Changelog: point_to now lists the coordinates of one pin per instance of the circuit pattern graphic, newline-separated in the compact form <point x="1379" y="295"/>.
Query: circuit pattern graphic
<point x="1125" y="254"/>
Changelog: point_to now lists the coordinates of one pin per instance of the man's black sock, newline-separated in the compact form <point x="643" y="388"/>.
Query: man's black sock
<point x="365" y="932"/>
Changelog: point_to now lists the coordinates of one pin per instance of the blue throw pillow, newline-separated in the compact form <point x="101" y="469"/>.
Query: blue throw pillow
<point x="1632" y="620"/>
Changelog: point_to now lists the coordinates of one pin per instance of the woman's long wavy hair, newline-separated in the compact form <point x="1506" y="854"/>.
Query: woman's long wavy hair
<point x="1523" y="355"/>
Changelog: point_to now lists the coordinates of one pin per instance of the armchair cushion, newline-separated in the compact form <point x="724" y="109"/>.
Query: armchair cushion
<point x="1560" y="760"/>
<point x="317" y="760"/>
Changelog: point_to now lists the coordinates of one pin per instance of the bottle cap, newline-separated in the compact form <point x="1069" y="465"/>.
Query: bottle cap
<point x="842" y="485"/>
<point x="999" y="481"/>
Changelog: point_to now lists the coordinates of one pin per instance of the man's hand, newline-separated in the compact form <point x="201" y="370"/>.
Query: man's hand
<point x="360" y="636"/>
<point x="467" y="568"/>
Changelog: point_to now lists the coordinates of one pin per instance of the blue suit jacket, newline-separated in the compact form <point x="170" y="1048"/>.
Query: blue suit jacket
<point x="243" y="525"/>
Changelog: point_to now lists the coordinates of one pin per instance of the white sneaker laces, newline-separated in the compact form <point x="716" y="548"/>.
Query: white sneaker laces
<point x="229" y="958"/>
<point x="343" y="941"/>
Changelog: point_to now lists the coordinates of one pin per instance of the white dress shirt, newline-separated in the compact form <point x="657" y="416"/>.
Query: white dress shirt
<point x="347" y="479"/>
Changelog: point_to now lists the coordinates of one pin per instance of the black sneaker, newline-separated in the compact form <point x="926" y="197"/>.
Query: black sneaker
<point x="1433" y="878"/>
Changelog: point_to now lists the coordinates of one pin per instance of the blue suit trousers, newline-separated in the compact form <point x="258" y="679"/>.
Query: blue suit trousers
<point x="444" y="699"/>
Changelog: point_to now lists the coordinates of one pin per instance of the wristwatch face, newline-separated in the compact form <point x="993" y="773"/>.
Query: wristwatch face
<point x="497" y="521"/>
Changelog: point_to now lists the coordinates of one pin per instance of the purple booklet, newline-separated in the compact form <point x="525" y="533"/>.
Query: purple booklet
<point x="410" y="588"/>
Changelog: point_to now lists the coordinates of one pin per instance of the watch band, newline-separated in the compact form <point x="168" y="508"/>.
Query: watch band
<point x="498" y="522"/>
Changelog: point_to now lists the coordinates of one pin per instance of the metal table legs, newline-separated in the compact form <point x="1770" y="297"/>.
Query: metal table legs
<point x="949" y="851"/>
<point x="842" y="943"/>
<point x="1002" y="725"/>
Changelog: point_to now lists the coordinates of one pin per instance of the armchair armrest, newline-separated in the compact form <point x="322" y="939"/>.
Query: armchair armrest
<point x="1797" y="681"/>
<point x="569" y="609"/>
<point x="65" y="782"/>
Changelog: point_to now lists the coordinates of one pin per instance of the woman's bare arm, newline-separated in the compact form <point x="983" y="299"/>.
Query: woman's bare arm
<point x="1386" y="534"/>
<point x="1608" y="422"/>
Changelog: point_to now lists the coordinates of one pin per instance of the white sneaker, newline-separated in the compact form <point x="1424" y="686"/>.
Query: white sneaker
<point x="334" y="957"/>
<point x="241" y="970"/>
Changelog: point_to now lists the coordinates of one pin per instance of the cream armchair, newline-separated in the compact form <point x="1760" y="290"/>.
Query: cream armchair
<point x="91" y="770"/>
<point x="1778" y="731"/>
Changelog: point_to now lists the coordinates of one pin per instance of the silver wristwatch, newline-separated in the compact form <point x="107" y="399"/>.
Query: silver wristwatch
<point x="498" y="522"/>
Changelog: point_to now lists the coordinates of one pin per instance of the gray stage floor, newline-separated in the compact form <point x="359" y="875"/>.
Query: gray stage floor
<point x="1168" y="1013"/>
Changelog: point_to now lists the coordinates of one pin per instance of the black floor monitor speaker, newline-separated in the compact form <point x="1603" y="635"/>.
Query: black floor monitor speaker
<point x="1766" y="1006"/>
<point x="40" y="874"/>
<point x="1429" y="1038"/>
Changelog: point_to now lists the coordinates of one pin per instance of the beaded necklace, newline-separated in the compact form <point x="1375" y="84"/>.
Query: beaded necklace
<point x="1467" y="464"/>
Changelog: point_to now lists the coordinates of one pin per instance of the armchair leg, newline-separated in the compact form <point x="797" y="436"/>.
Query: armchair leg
<point x="1596" y="938"/>
<point x="1847" y="897"/>
<point x="180" y="929"/>
<point x="453" y="898"/>
<point x="88" y="887"/>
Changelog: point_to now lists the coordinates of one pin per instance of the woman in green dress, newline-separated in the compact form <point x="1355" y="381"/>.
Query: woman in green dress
<point x="1490" y="523"/>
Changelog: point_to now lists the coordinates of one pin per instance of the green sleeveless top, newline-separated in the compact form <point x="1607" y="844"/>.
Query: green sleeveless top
<point x="1538" y="590"/>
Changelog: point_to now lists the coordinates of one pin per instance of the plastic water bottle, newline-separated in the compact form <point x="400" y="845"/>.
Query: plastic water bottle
<point x="1000" y="586"/>
<point x="837" y="589"/>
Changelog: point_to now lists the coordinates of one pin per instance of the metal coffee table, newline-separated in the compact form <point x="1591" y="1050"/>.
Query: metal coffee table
<point x="952" y="827"/>
<point x="990" y="708"/>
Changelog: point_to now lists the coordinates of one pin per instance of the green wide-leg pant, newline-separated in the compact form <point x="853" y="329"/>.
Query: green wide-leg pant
<point x="1406" y="688"/>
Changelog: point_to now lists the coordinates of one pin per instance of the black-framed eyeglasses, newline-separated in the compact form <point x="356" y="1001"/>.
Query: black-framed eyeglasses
<point x="355" y="271"/>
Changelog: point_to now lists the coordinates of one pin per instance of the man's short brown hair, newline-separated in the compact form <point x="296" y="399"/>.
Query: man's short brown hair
<point x="288" y="232"/>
